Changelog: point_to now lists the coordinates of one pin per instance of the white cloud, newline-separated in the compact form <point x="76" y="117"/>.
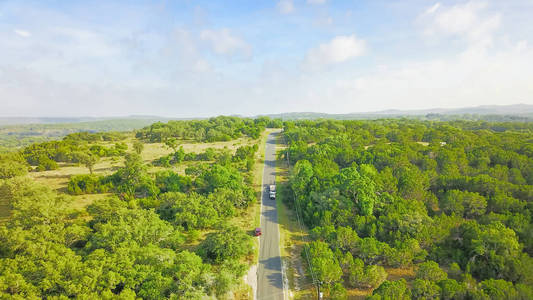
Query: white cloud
<point x="285" y="6"/>
<point x="433" y="8"/>
<point x="223" y="42"/>
<point x="338" y="50"/>
<point x="189" y="57"/>
<point x="316" y="1"/>
<point x="469" y="78"/>
<point x="469" y="21"/>
<point x="22" y="33"/>
<point x="128" y="66"/>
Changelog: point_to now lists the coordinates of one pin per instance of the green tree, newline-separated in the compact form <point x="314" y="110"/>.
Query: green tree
<point x="499" y="289"/>
<point x="431" y="271"/>
<point x="179" y="155"/>
<point x="133" y="179"/>
<point x="227" y="243"/>
<point x="323" y="263"/>
<point x="88" y="160"/>
<point x="451" y="289"/>
<point x="425" y="289"/>
<point x="359" y="188"/>
<point x="138" y="146"/>
<point x="338" y="292"/>
<point x="463" y="203"/>
<point x="12" y="165"/>
<point x="374" y="275"/>
<point x="300" y="177"/>
<point x="392" y="290"/>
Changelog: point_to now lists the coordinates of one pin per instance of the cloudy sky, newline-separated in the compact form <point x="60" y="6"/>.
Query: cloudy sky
<point x="184" y="58"/>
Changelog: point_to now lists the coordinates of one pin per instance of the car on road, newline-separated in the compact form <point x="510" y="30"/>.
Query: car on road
<point x="272" y="191"/>
<point x="257" y="231"/>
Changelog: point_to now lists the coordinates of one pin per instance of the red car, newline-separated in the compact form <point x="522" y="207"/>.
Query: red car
<point x="257" y="231"/>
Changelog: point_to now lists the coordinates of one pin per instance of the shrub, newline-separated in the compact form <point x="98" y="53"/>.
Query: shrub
<point x="88" y="184"/>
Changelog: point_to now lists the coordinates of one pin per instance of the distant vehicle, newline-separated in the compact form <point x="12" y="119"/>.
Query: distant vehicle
<point x="272" y="192"/>
<point x="257" y="231"/>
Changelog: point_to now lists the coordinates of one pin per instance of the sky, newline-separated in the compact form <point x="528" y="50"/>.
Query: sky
<point x="195" y="58"/>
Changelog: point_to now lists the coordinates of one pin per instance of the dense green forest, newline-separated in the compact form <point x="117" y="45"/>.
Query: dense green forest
<point x="451" y="200"/>
<point x="156" y="233"/>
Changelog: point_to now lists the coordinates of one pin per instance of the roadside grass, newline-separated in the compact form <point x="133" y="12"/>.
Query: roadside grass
<point x="244" y="292"/>
<point x="291" y="237"/>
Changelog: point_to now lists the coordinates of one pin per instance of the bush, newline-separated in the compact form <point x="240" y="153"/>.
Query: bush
<point x="12" y="165"/>
<point x="46" y="164"/>
<point x="168" y="181"/>
<point x="88" y="184"/>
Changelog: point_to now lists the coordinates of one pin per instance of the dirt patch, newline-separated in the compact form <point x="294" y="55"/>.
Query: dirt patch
<point x="398" y="273"/>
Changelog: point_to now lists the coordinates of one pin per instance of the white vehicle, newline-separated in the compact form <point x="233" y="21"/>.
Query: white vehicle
<point x="272" y="191"/>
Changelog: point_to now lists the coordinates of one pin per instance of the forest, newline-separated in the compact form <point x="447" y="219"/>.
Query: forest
<point x="171" y="209"/>
<point x="450" y="201"/>
<point x="169" y="228"/>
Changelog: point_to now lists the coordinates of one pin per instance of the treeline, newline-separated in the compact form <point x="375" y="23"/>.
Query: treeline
<point x="211" y="130"/>
<point x="452" y="200"/>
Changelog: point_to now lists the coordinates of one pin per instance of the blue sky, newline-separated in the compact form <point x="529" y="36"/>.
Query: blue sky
<point x="204" y="58"/>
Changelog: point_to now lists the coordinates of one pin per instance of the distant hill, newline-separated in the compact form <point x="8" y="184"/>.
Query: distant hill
<point x="515" y="112"/>
<point x="20" y="131"/>
<point x="513" y="109"/>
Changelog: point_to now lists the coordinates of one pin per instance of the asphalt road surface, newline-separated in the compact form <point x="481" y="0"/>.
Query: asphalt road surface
<point x="269" y="278"/>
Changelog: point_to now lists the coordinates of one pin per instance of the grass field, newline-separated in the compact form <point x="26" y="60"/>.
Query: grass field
<point x="58" y="179"/>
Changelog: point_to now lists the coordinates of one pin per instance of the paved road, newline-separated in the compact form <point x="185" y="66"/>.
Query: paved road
<point x="269" y="279"/>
